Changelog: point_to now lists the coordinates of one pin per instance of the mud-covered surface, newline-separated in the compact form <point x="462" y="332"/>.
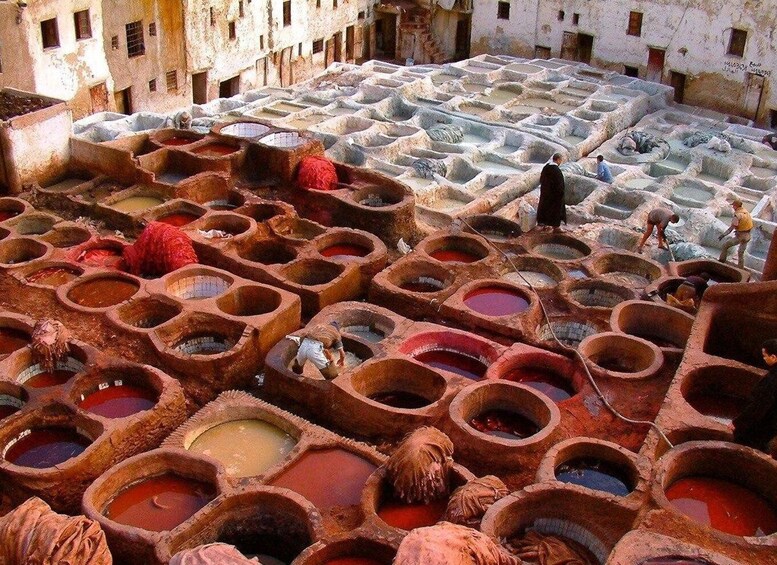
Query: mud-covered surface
<point x="12" y="105"/>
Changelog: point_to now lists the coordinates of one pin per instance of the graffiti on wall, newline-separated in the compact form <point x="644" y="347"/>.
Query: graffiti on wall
<point x="751" y="67"/>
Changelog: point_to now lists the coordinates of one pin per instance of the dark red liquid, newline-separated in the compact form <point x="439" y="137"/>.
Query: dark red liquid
<point x="175" y="141"/>
<point x="344" y="251"/>
<point x="504" y="424"/>
<point x="215" y="150"/>
<point x="327" y="478"/>
<point x="46" y="447"/>
<point x="595" y="474"/>
<point x="52" y="276"/>
<point x="49" y="378"/>
<point x="552" y="385"/>
<point x="159" y="503"/>
<point x="99" y="293"/>
<point x="723" y="505"/>
<point x="409" y="516"/>
<point x="454" y="256"/>
<point x="119" y="401"/>
<point x="454" y="362"/>
<point x="178" y="220"/>
<point x="12" y="340"/>
<point x="673" y="560"/>
<point x="355" y="561"/>
<point x="418" y="286"/>
<point x="400" y="399"/>
<point x="496" y="301"/>
<point x="101" y="257"/>
<point x="718" y="406"/>
<point x="7" y="214"/>
<point x="7" y="409"/>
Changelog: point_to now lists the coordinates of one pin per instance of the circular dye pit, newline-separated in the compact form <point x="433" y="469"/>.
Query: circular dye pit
<point x="136" y="204"/>
<point x="504" y="424"/>
<point x="558" y="251"/>
<point x="721" y="407"/>
<point x="452" y="361"/>
<point x="12" y="340"/>
<point x="551" y="384"/>
<point x="8" y="214"/>
<point x="496" y="301"/>
<point x="626" y="278"/>
<point x="454" y="256"/>
<point x="178" y="219"/>
<point x="103" y="292"/>
<point x="423" y="284"/>
<point x="400" y="399"/>
<point x="344" y="251"/>
<point x="9" y="405"/>
<point x="117" y="400"/>
<point x="613" y="361"/>
<point x="533" y="278"/>
<point x="247" y="448"/>
<point x="46" y="379"/>
<point x="177" y="141"/>
<point x="204" y="345"/>
<point x="100" y="256"/>
<point x="723" y="505"/>
<point x="159" y="503"/>
<point x="595" y="474"/>
<point x="215" y="150"/>
<point x="46" y="447"/>
<point x="410" y="516"/>
<point x="53" y="276"/>
<point x="674" y="560"/>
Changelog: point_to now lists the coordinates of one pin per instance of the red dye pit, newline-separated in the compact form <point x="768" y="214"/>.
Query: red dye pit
<point x="327" y="478"/>
<point x="355" y="561"/>
<point x="176" y="141"/>
<point x="215" y="150"/>
<point x="159" y="503"/>
<point x="7" y="214"/>
<point x="46" y="447"/>
<point x="99" y="293"/>
<point x="12" y="340"/>
<point x="504" y="424"/>
<point x="552" y="385"/>
<point x="454" y="362"/>
<point x="101" y="257"/>
<point x="723" y="505"/>
<point x="454" y="256"/>
<point x="49" y="378"/>
<point x="53" y="276"/>
<point x="118" y="401"/>
<point x="422" y="286"/>
<point x="178" y="220"/>
<point x="400" y="399"/>
<point x="344" y="251"/>
<point x="409" y="516"/>
<point x="496" y="301"/>
<point x="718" y="406"/>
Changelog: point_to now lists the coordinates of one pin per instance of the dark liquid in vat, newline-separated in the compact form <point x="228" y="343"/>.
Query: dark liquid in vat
<point x="410" y="516"/>
<point x="118" y="401"/>
<point x="594" y="474"/>
<point x="46" y="447"/>
<point x="178" y="220"/>
<point x="454" y="256"/>
<point x="454" y="362"/>
<point x="11" y="340"/>
<point x="504" y="424"/>
<point x="400" y="399"/>
<point x="344" y="251"/>
<point x="100" y="293"/>
<point x="550" y="384"/>
<point x="495" y="301"/>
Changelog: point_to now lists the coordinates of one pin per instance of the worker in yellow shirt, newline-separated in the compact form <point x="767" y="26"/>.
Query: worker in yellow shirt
<point x="741" y="225"/>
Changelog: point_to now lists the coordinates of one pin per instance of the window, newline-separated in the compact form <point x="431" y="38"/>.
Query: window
<point x="575" y="19"/>
<point x="152" y="85"/>
<point x="261" y="42"/>
<point x="171" y="78"/>
<point x="736" y="45"/>
<point x="287" y="13"/>
<point x="240" y="9"/>
<point x="318" y="3"/>
<point x="541" y="52"/>
<point x="318" y="46"/>
<point x="334" y="3"/>
<point x="361" y="15"/>
<point x="212" y="16"/>
<point x="503" y="11"/>
<point x="630" y="71"/>
<point x="299" y="50"/>
<point x="49" y="33"/>
<point x="152" y="29"/>
<point x="635" y="24"/>
<point x="232" y="30"/>
<point x="135" y="45"/>
<point x="115" y="42"/>
<point x="561" y="15"/>
<point x="82" y="24"/>
<point x="773" y="118"/>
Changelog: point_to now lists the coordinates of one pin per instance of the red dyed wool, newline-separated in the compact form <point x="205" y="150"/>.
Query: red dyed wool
<point x="159" y="250"/>
<point x="317" y="173"/>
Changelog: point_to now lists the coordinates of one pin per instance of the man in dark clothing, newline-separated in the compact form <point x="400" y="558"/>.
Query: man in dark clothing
<point x="551" y="210"/>
<point x="756" y="426"/>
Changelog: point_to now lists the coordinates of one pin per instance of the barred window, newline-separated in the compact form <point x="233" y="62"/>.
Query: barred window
<point x="172" y="81"/>
<point x="736" y="45"/>
<point x="287" y="13"/>
<point x="152" y="85"/>
<point x="152" y="29"/>
<point x="135" y="45"/>
<point x="82" y="24"/>
<point x="115" y="42"/>
<point x="232" y="31"/>
<point x="635" y="24"/>
<point x="318" y="46"/>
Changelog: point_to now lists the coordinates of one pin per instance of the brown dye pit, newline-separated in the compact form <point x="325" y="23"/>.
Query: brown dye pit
<point x="12" y="340"/>
<point x="551" y="384"/>
<point x="177" y="141"/>
<point x="410" y="516"/>
<point x="53" y="276"/>
<point x="424" y="284"/>
<point x="100" y="293"/>
<point x="344" y="251"/>
<point x="595" y="474"/>
<point x="327" y="478"/>
<point x="453" y="361"/>
<point x="46" y="447"/>
<point x="454" y="256"/>
<point x="117" y="400"/>
<point x="215" y="150"/>
<point x="723" y="505"/>
<point x="615" y="363"/>
<point x="159" y="503"/>
<point x="8" y="214"/>
<point x="504" y="424"/>
<point x="178" y="219"/>
<point x="721" y="407"/>
<point x="496" y="301"/>
<point x="100" y="257"/>
<point x="400" y="399"/>
<point x="45" y="379"/>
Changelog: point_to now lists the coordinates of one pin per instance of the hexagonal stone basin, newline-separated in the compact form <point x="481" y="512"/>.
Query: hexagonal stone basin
<point x="504" y="424"/>
<point x="551" y="384"/>
<point x="496" y="301"/>
<point x="595" y="474"/>
<point x="453" y="361"/>
<point x="723" y="505"/>
<point x="247" y="448"/>
<point x="42" y="448"/>
<point x="159" y="503"/>
<point x="344" y="251"/>
<point x="112" y="400"/>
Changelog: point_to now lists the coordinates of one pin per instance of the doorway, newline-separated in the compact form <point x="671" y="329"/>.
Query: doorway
<point x="338" y="40"/>
<point x="386" y="36"/>
<point x="123" y="99"/>
<point x="678" y="83"/>
<point x="754" y="87"/>
<point x="585" y="47"/>
<point x="462" y="37"/>
<point x="349" y="39"/>
<point x="655" y="66"/>
<point x="229" y="87"/>
<point x="200" y="88"/>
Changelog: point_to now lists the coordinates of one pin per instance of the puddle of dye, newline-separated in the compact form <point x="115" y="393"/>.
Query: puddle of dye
<point x="722" y="408"/>
<point x="136" y="203"/>
<point x="178" y="220"/>
<point x="504" y="424"/>
<point x="723" y="505"/>
<point x="355" y="561"/>
<point x="327" y="478"/>
<point x="100" y="293"/>
<point x="52" y="276"/>
<point x="422" y="286"/>
<point x="594" y="474"/>
<point x="454" y="256"/>
<point x="46" y="447"/>
<point x="159" y="503"/>
<point x="674" y="560"/>
<point x="400" y="399"/>
<point x="175" y="141"/>
<point x="49" y="378"/>
<point x="410" y="516"/>
<point x="11" y="340"/>
<point x="495" y="301"/>
<point x="215" y="150"/>
<point x="552" y="385"/>
<point x="247" y="448"/>
<point x="344" y="251"/>
<point x="453" y="361"/>
<point x="118" y="401"/>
